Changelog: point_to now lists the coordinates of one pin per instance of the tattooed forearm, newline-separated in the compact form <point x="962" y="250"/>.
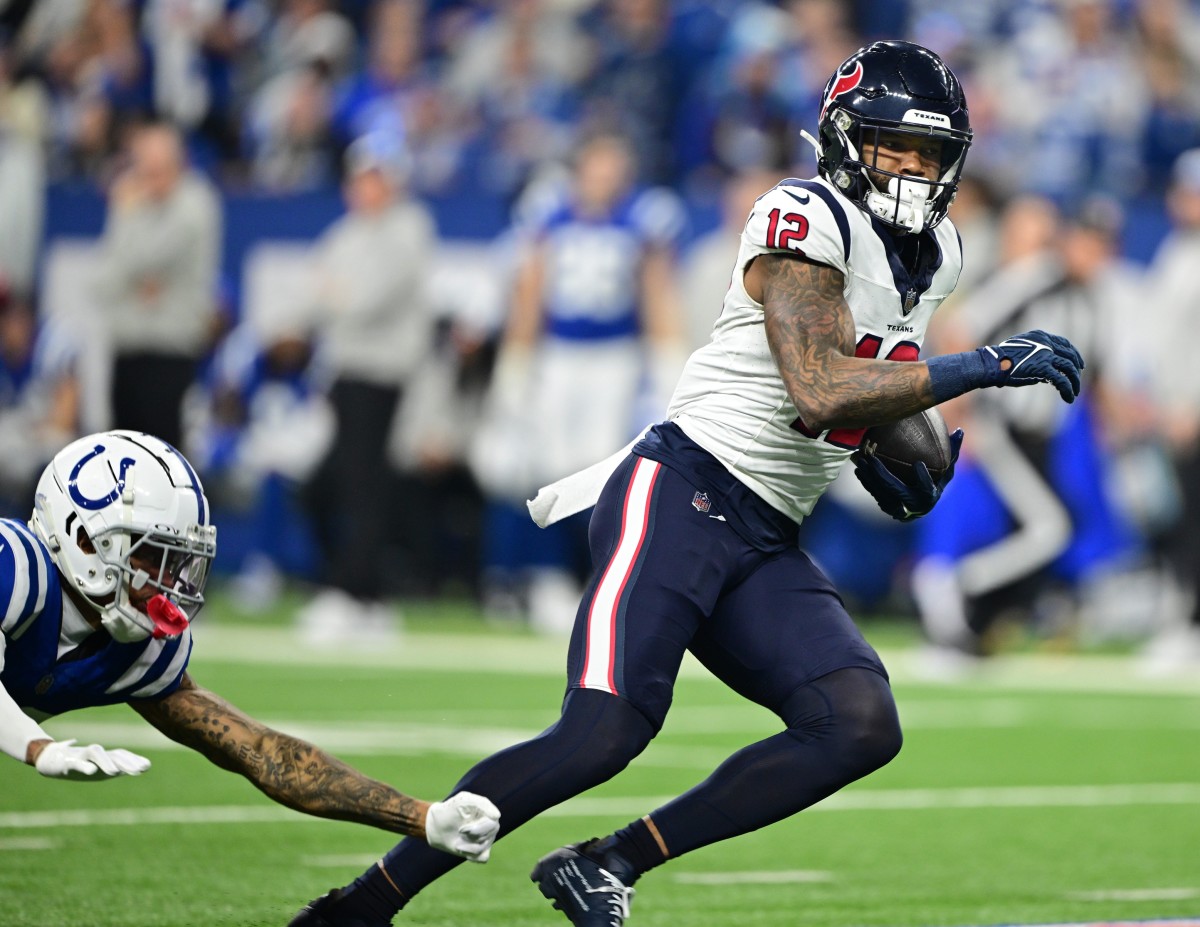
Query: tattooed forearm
<point x="811" y="333"/>
<point x="287" y="769"/>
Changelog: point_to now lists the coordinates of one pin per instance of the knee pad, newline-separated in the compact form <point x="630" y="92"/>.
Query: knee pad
<point x="853" y="706"/>
<point x="613" y="731"/>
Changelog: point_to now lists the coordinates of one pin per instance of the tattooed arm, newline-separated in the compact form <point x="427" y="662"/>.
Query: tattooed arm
<point x="811" y="334"/>
<point x="290" y="771"/>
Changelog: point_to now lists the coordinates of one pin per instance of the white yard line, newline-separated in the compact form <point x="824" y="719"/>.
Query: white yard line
<point x="378" y="739"/>
<point x="1136" y="894"/>
<point x="1064" y="796"/>
<point x="462" y="734"/>
<point x="145" y="817"/>
<point x="25" y="844"/>
<point x="761" y="877"/>
<point x="474" y="653"/>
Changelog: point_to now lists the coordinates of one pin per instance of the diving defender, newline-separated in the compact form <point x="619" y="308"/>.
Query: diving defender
<point x="97" y="594"/>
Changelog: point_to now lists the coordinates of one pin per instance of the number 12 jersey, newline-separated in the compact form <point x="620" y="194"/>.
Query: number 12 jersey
<point x="731" y="398"/>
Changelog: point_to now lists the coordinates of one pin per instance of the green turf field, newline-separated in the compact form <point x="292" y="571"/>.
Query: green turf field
<point x="1049" y="789"/>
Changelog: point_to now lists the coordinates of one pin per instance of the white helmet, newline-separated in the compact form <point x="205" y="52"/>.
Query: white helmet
<point x="130" y="494"/>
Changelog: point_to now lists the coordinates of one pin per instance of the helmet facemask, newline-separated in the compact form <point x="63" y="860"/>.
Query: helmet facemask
<point x="906" y="202"/>
<point x="162" y="570"/>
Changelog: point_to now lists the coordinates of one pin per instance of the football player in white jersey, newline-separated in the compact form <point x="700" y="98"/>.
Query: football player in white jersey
<point x="97" y="593"/>
<point x="694" y="533"/>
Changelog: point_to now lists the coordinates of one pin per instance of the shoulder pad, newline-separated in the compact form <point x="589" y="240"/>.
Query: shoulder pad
<point x="26" y="574"/>
<point x="802" y="216"/>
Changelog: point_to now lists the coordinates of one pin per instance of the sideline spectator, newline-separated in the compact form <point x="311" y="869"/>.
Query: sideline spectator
<point x="89" y="59"/>
<point x="592" y="345"/>
<point x="1166" y="37"/>
<point x="1172" y="310"/>
<point x="398" y="96"/>
<point x="1031" y="524"/>
<point x="371" y="310"/>
<point x="22" y="201"/>
<point x="195" y="50"/>
<point x="259" y="425"/>
<point x="158" y="281"/>
<point x="742" y="106"/>
<point x="309" y="31"/>
<point x="287" y="130"/>
<point x="517" y="73"/>
<point x="289" y="134"/>
<point x="640" y="79"/>
<point x="1070" y="102"/>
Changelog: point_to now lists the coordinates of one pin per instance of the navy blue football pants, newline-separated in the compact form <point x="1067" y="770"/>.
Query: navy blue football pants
<point x="672" y="576"/>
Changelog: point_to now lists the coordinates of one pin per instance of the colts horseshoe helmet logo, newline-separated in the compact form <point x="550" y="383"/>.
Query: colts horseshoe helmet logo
<point x="844" y="83"/>
<point x="83" y="501"/>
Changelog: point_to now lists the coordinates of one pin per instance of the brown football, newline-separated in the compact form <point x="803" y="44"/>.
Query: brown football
<point x="901" y="444"/>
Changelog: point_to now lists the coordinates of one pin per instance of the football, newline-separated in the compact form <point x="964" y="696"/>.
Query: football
<point x="899" y="445"/>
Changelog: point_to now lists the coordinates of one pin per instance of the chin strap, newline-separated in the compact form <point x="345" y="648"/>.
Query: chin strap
<point x="124" y="622"/>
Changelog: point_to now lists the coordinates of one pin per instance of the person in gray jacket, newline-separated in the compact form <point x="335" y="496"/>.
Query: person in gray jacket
<point x="372" y="313"/>
<point x="158" y="279"/>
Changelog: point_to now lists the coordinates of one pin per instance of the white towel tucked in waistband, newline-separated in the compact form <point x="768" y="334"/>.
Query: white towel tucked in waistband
<point x="576" y="492"/>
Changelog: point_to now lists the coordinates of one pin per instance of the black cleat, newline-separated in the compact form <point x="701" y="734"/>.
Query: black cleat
<point x="591" y="886"/>
<point x="323" y="913"/>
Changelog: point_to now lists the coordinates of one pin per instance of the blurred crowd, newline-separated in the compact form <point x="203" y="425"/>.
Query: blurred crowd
<point x="1066" y="96"/>
<point x="370" y="414"/>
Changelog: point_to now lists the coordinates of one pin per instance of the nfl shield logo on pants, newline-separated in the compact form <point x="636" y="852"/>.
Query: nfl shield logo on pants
<point x="700" y="502"/>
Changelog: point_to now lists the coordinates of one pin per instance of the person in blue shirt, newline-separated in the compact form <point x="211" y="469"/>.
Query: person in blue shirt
<point x="260" y="426"/>
<point x="591" y="348"/>
<point x="97" y="594"/>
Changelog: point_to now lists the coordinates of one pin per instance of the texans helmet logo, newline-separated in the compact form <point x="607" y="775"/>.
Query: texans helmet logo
<point x="843" y="83"/>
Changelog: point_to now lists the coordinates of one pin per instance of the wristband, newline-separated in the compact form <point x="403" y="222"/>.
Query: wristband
<point x="952" y="375"/>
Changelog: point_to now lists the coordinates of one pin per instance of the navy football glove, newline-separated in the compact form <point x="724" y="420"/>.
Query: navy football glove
<point x="897" y="498"/>
<point x="1035" y="357"/>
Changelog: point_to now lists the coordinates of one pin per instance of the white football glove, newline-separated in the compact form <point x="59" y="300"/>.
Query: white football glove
<point x="63" y="760"/>
<point x="464" y="824"/>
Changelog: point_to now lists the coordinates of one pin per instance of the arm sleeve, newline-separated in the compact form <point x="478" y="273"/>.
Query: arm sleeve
<point x="17" y="729"/>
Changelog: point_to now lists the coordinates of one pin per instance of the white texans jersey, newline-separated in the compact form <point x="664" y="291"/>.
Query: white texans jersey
<point x="731" y="398"/>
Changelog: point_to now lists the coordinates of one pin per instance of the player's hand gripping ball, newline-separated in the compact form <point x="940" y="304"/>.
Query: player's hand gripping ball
<point x="906" y="465"/>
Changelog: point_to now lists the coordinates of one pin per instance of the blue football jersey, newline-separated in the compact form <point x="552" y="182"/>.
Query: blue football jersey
<point x="593" y="264"/>
<point x="100" y="671"/>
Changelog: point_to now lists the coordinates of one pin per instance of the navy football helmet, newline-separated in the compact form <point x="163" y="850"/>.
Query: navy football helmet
<point x="895" y="88"/>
